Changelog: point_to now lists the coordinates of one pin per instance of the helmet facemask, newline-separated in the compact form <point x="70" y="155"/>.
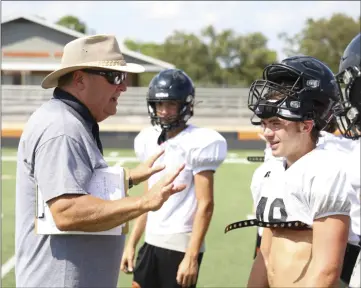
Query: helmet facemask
<point x="185" y="112"/>
<point x="349" y="109"/>
<point x="289" y="95"/>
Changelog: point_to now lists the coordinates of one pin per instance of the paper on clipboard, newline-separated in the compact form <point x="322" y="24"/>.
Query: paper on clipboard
<point x="106" y="183"/>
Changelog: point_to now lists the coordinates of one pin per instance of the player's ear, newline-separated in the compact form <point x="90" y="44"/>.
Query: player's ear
<point x="306" y="126"/>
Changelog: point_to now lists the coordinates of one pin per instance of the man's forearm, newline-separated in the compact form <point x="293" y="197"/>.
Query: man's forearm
<point x="90" y="214"/>
<point x="201" y="223"/>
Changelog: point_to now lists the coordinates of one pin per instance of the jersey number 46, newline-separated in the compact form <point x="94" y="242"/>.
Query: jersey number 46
<point x="277" y="203"/>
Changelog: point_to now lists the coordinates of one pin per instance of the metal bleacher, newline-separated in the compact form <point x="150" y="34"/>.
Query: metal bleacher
<point x="215" y="107"/>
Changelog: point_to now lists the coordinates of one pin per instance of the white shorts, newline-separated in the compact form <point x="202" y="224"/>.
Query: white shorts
<point x="355" y="281"/>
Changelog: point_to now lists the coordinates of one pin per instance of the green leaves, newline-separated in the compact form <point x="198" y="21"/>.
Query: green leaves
<point x="73" y="23"/>
<point x="212" y="58"/>
<point x="324" y="39"/>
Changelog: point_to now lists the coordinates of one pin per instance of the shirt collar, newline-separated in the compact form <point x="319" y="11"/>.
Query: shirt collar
<point x="82" y="110"/>
<point x="75" y="103"/>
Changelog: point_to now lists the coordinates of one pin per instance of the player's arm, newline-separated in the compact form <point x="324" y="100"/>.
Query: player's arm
<point x="258" y="275"/>
<point x="139" y="225"/>
<point x="188" y="269"/>
<point x="330" y="208"/>
<point x="203" y="183"/>
<point x="140" y="142"/>
<point x="204" y="162"/>
<point x="330" y="235"/>
<point x="128" y="259"/>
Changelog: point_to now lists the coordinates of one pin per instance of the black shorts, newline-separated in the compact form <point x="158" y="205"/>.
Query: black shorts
<point x="349" y="262"/>
<point x="157" y="267"/>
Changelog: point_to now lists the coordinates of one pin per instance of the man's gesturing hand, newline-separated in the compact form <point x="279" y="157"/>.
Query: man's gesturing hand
<point x="162" y="190"/>
<point x="144" y="170"/>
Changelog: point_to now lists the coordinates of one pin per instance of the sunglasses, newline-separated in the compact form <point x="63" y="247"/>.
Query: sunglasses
<point x="113" y="77"/>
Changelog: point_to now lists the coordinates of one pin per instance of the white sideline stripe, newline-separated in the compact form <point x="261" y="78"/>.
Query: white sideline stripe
<point x="251" y="216"/>
<point x="7" y="267"/>
<point x="121" y="160"/>
<point x="113" y="154"/>
<point x="7" y="177"/>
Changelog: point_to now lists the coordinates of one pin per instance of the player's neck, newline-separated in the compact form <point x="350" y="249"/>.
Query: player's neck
<point x="174" y="132"/>
<point x="302" y="151"/>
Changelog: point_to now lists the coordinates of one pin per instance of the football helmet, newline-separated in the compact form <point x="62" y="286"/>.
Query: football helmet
<point x="171" y="85"/>
<point x="297" y="89"/>
<point x="349" y="78"/>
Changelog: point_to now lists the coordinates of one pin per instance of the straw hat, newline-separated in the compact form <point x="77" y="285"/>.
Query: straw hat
<point x="97" y="51"/>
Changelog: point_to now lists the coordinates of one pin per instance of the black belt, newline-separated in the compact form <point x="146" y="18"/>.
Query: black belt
<point x="296" y="225"/>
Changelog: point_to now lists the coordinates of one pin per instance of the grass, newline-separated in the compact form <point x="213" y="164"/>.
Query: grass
<point x="228" y="257"/>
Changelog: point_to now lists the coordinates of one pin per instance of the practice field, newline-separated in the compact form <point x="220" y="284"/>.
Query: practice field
<point x="228" y="257"/>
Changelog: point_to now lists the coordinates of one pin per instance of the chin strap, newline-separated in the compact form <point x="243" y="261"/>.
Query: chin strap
<point x="162" y="137"/>
<point x="166" y="128"/>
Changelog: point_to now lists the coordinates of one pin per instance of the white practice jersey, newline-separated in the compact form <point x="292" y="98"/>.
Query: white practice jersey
<point x="315" y="186"/>
<point x="351" y="160"/>
<point x="353" y="169"/>
<point x="200" y="149"/>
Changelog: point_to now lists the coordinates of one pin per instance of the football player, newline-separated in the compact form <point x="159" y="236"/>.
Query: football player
<point x="174" y="236"/>
<point x="349" y="117"/>
<point x="303" y="204"/>
<point x="327" y="138"/>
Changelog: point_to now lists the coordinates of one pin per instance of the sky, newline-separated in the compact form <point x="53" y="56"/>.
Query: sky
<point x="155" y="20"/>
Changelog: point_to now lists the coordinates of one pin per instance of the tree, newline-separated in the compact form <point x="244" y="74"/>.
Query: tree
<point x="147" y="48"/>
<point x="324" y="39"/>
<point x="242" y="57"/>
<point x="254" y="56"/>
<point x="73" y="23"/>
<point x="190" y="53"/>
<point x="213" y="58"/>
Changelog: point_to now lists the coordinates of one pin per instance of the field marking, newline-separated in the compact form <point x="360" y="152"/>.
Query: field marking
<point x="7" y="267"/>
<point x="7" y="177"/>
<point x="121" y="160"/>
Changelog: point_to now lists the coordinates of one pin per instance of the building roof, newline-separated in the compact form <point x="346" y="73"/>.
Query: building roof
<point x="125" y="50"/>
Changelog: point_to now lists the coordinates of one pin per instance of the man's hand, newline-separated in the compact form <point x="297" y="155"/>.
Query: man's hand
<point x="127" y="263"/>
<point x="187" y="272"/>
<point x="144" y="170"/>
<point x="162" y="190"/>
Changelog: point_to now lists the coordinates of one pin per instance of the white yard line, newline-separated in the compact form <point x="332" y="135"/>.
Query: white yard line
<point x="7" y="267"/>
<point x="7" y="177"/>
<point x="113" y="154"/>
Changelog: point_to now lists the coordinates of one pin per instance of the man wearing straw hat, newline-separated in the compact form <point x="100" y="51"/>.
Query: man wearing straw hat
<point x="58" y="153"/>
